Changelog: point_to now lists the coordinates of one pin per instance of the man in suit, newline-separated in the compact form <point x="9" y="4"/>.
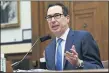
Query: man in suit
<point x="79" y="49"/>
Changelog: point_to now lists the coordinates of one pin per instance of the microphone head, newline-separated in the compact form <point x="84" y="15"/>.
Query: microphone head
<point x="44" y="38"/>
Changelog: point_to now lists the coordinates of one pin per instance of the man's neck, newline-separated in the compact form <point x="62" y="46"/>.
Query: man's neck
<point x="60" y="34"/>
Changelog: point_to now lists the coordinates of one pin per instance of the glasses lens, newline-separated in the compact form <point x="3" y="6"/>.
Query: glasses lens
<point x="56" y="16"/>
<point x="48" y="17"/>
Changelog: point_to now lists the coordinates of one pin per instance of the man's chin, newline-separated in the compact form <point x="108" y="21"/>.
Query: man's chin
<point x="55" y="31"/>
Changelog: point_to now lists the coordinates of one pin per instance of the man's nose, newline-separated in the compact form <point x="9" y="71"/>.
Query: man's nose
<point x="53" y="19"/>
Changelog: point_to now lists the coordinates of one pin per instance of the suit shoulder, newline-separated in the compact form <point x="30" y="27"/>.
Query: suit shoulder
<point x="82" y="32"/>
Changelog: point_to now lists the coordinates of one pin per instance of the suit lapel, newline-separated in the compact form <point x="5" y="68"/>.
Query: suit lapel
<point x="53" y="54"/>
<point x="69" y="43"/>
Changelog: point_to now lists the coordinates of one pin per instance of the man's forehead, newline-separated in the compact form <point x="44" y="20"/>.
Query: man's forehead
<point x="54" y="9"/>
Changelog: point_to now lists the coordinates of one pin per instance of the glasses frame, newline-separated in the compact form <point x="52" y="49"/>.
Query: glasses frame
<point x="49" y="17"/>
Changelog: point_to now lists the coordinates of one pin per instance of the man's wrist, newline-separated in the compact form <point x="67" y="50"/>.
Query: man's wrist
<point x="80" y="64"/>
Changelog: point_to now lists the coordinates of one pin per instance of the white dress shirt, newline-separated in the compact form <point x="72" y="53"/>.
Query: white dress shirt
<point x="64" y="37"/>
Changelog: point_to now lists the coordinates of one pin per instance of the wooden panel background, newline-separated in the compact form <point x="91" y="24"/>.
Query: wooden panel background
<point x="90" y="16"/>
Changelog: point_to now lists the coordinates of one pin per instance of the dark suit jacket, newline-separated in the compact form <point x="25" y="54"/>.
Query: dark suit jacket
<point x="86" y="48"/>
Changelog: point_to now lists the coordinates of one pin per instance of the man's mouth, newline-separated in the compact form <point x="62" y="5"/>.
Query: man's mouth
<point x="55" y="27"/>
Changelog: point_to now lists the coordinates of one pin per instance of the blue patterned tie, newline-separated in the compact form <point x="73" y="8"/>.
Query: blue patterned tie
<point x="59" y="55"/>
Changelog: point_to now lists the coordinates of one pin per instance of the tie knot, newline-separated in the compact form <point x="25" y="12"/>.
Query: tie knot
<point x="59" y="40"/>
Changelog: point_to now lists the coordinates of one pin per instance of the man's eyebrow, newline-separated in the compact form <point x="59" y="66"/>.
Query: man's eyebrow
<point x="57" y="13"/>
<point x="54" y="14"/>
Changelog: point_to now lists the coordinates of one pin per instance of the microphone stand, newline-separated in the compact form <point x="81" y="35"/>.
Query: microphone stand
<point x="42" y="39"/>
<point x="16" y="63"/>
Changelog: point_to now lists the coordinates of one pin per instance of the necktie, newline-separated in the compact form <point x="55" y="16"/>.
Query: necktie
<point x="59" y="55"/>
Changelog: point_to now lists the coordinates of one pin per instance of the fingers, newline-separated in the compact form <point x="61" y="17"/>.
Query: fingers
<point x="67" y="58"/>
<point x="72" y="56"/>
<point x="73" y="50"/>
<point x="68" y="54"/>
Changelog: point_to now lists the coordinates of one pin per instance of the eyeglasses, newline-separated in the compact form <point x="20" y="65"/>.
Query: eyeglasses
<point x="56" y="16"/>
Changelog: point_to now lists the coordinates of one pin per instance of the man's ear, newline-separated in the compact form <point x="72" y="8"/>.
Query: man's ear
<point x="68" y="19"/>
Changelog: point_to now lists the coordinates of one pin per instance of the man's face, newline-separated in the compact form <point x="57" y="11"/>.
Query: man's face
<point x="59" y="23"/>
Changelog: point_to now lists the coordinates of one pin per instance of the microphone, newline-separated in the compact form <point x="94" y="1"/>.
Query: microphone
<point x="42" y="39"/>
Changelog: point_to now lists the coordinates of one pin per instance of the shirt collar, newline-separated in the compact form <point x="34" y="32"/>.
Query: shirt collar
<point x="64" y="36"/>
